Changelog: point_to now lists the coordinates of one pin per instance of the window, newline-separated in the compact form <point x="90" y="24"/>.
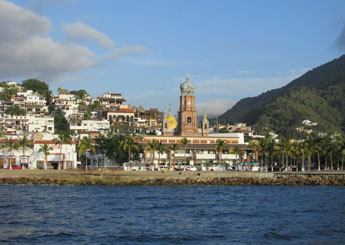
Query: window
<point x="189" y="120"/>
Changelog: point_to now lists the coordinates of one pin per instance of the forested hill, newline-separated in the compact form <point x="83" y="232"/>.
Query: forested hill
<point x="318" y="95"/>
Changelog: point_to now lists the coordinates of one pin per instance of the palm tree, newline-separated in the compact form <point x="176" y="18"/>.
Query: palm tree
<point x="160" y="150"/>
<point x="325" y="141"/>
<point x="253" y="144"/>
<point x="60" y="140"/>
<point x="25" y="143"/>
<point x="152" y="147"/>
<point x="342" y="156"/>
<point x="235" y="150"/>
<point x="284" y="147"/>
<point x="184" y="142"/>
<point x="128" y="144"/>
<point x="45" y="148"/>
<point x="317" y="148"/>
<point x="10" y="145"/>
<point x="220" y="146"/>
<point x="339" y="144"/>
<point x="172" y="150"/>
<point x="84" y="146"/>
<point x="266" y="146"/>
<point x="305" y="151"/>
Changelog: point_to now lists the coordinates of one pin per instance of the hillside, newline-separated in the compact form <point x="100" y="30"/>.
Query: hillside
<point x="318" y="95"/>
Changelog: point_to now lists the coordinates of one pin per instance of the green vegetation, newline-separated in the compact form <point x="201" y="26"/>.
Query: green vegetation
<point x="128" y="144"/>
<point x="318" y="96"/>
<point x="60" y="124"/>
<point x="327" y="153"/>
<point x="8" y="92"/>
<point x="220" y="147"/>
<point x="84" y="146"/>
<point x="15" y="110"/>
<point x="38" y="86"/>
<point x="117" y="144"/>
<point x="45" y="148"/>
<point x="80" y="94"/>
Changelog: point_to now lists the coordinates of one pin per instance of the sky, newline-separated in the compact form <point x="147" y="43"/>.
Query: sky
<point x="145" y="49"/>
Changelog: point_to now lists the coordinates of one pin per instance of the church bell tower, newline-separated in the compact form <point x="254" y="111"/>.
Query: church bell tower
<point x="187" y="117"/>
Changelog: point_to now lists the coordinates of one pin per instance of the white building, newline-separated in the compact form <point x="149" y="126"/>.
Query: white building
<point x="30" y="97"/>
<point x="59" y="157"/>
<point x="41" y="124"/>
<point x="90" y="125"/>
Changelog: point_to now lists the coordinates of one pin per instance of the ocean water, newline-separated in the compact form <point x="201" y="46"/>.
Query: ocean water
<point x="172" y="215"/>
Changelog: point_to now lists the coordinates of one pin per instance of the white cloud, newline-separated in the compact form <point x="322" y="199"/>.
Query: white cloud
<point x="79" y="31"/>
<point x="27" y="51"/>
<point x="214" y="107"/>
<point x="244" y="87"/>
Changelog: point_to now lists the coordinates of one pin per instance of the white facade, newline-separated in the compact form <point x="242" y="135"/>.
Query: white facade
<point x="90" y="125"/>
<point x="59" y="156"/>
<point x="31" y="97"/>
<point x="41" y="124"/>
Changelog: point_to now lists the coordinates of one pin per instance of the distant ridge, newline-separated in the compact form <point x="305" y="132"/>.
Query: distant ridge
<point x="318" y="95"/>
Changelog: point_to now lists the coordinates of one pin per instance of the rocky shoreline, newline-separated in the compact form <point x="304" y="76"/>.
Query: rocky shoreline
<point x="121" y="178"/>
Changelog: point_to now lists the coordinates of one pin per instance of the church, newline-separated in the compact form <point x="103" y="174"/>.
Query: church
<point x="187" y="117"/>
<point x="200" y="144"/>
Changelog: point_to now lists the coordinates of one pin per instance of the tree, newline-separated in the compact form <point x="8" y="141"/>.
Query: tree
<point x="253" y="144"/>
<point x="25" y="143"/>
<point x="266" y="146"/>
<point x="152" y="148"/>
<point x="172" y="149"/>
<point x="128" y="144"/>
<point x="62" y="138"/>
<point x="304" y="149"/>
<point x="235" y="150"/>
<point x="39" y="87"/>
<point x="84" y="146"/>
<point x="160" y="150"/>
<point x="60" y="124"/>
<point x="8" y="93"/>
<point x="184" y="142"/>
<point x="45" y="148"/>
<point x="79" y="94"/>
<point x="317" y="148"/>
<point x="109" y="142"/>
<point x="220" y="147"/>
<point x="284" y="147"/>
<point x="15" y="110"/>
<point x="10" y="145"/>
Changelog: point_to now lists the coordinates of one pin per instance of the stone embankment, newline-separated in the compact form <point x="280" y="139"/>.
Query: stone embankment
<point x="122" y="178"/>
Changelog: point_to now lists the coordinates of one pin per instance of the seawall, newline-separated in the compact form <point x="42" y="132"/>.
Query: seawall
<point x="123" y="178"/>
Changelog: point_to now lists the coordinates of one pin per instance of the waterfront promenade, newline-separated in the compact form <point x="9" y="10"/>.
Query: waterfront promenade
<point x="111" y="177"/>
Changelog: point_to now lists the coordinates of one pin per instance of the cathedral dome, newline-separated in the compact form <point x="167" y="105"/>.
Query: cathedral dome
<point x="172" y="123"/>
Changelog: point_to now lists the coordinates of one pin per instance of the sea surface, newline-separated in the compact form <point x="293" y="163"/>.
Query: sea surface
<point x="171" y="215"/>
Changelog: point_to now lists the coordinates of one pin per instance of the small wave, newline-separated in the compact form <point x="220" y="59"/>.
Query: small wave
<point x="277" y="236"/>
<point x="56" y="235"/>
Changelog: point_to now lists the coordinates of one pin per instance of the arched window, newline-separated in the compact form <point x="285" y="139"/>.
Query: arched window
<point x="205" y="126"/>
<point x="189" y="120"/>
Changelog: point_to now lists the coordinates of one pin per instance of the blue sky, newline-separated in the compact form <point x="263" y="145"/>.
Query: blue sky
<point x="144" y="49"/>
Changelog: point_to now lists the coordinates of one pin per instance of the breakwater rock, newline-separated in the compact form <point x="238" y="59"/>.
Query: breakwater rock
<point x="176" y="179"/>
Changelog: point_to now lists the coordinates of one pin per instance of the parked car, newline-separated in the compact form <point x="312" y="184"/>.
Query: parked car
<point x="191" y="168"/>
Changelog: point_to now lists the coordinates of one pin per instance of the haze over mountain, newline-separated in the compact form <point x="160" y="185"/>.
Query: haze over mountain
<point x="318" y="95"/>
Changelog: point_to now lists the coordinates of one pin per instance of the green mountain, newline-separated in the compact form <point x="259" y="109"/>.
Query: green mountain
<point x="318" y="95"/>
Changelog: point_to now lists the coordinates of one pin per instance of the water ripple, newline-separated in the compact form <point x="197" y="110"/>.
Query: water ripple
<point x="171" y="215"/>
